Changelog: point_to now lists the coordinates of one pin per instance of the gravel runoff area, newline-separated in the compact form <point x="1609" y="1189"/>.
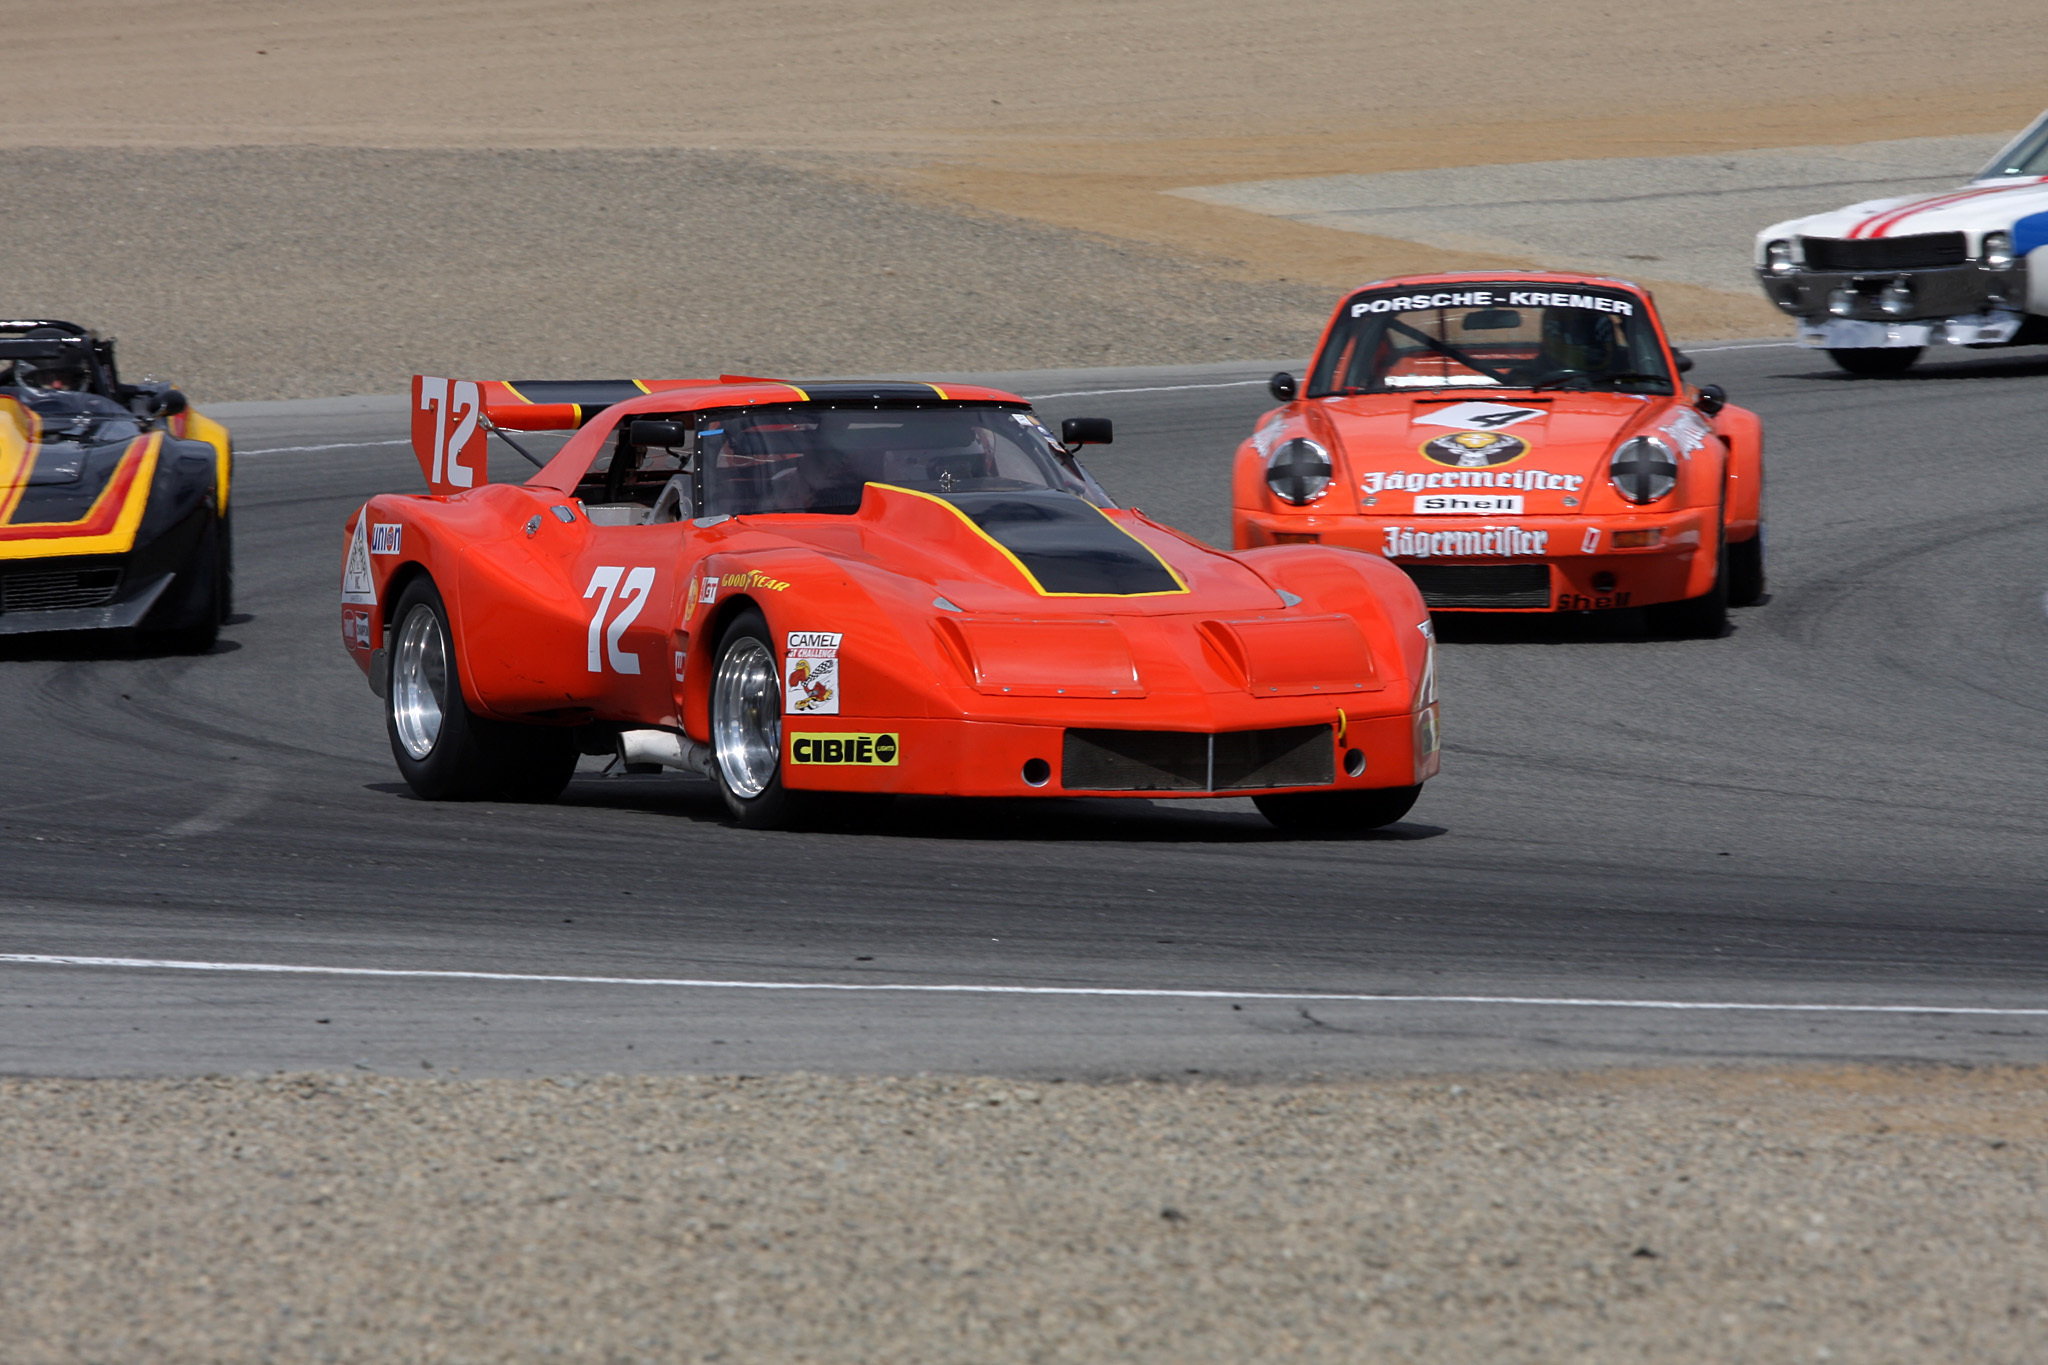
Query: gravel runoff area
<point x="1866" y="1215"/>
<point x="288" y="272"/>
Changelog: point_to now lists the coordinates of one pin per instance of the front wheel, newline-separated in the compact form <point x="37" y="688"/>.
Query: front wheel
<point x="445" y="751"/>
<point x="1351" y="812"/>
<point x="746" y="726"/>
<point x="1696" y="618"/>
<point x="1746" y="571"/>
<point x="1875" y="360"/>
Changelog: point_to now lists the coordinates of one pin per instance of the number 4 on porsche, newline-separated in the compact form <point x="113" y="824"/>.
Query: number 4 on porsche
<point x="631" y="595"/>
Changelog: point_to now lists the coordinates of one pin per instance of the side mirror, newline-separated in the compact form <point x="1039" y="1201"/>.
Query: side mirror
<point x="650" y="432"/>
<point x="1087" y="431"/>
<point x="1281" y="386"/>
<point x="169" y="403"/>
<point x="1712" y="399"/>
<point x="1684" y="360"/>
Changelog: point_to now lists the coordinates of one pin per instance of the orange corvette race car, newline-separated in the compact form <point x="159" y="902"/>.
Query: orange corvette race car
<point x="860" y="588"/>
<point x="1515" y="442"/>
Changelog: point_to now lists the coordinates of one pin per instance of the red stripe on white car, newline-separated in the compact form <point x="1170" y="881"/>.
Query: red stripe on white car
<point x="1883" y="223"/>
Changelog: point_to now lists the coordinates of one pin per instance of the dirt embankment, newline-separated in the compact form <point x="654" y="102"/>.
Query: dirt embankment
<point x="1030" y="140"/>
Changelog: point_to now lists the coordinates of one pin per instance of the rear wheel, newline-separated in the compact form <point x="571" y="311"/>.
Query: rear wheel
<point x="746" y="726"/>
<point x="1875" y="360"/>
<point x="445" y="751"/>
<point x="1351" y="812"/>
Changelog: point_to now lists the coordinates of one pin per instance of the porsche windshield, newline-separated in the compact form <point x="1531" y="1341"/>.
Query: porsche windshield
<point x="1492" y="336"/>
<point x="821" y="457"/>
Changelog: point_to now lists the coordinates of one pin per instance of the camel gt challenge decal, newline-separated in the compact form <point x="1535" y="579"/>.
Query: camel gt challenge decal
<point x="1475" y="449"/>
<point x="867" y="751"/>
<point x="811" y="673"/>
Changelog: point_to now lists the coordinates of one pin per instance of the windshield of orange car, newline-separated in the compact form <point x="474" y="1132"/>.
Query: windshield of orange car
<point x="1492" y="336"/>
<point x="820" y="457"/>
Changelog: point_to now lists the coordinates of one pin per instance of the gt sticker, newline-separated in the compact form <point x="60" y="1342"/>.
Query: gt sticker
<point x="710" y="589"/>
<point x="1475" y="416"/>
<point x="1468" y="505"/>
<point x="385" y="537"/>
<point x="1475" y="449"/>
<point x="811" y="673"/>
<point x="878" y="751"/>
<point x="1510" y="542"/>
<point x="631" y="589"/>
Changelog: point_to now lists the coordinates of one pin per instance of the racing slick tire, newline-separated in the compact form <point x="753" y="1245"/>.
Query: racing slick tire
<point x="1746" y="580"/>
<point x="1696" y="618"/>
<point x="1351" y="812"/>
<point x="204" y="582"/>
<point x="445" y="751"/>
<point x="746" y="727"/>
<point x="1875" y="360"/>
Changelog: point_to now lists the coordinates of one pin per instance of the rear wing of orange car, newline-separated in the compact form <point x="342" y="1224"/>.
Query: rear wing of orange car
<point x="452" y="419"/>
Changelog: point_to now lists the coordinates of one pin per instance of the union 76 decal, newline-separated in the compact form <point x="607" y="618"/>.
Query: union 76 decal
<point x="629" y="588"/>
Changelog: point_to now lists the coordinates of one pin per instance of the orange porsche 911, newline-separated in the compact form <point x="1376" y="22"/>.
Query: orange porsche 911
<point x="1515" y="442"/>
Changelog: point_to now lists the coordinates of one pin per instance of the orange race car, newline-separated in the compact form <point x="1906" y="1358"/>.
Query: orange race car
<point x="1515" y="442"/>
<point x="860" y="588"/>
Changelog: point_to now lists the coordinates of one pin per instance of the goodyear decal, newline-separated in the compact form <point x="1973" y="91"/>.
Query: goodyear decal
<point x="867" y="751"/>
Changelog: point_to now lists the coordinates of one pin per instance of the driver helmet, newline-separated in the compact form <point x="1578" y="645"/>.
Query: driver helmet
<point x="66" y="371"/>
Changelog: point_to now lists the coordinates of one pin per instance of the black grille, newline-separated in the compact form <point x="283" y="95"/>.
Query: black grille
<point x="1887" y="253"/>
<point x="1482" y="585"/>
<point x="1173" y="760"/>
<point x="58" y="589"/>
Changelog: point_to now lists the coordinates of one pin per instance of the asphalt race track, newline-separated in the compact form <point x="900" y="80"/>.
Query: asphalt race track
<point x="1837" y="805"/>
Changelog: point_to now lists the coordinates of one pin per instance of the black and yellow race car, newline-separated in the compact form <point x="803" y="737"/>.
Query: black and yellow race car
<point x="113" y="496"/>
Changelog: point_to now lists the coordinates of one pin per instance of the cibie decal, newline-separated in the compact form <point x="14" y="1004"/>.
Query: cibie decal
<point x="1511" y="542"/>
<point x="868" y="751"/>
<point x="1468" y="505"/>
<point x="1475" y="416"/>
<point x="356" y="584"/>
<point x="751" y="578"/>
<point x="1528" y="480"/>
<point x="1475" y="449"/>
<point x="385" y="537"/>
<point x="811" y="673"/>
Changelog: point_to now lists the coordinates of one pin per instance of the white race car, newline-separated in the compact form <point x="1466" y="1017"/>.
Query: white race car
<point x="1877" y="282"/>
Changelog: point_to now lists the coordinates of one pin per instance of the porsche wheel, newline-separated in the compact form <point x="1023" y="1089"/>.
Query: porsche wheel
<point x="1875" y="360"/>
<point x="1351" y="812"/>
<point x="1746" y="571"/>
<point x="746" y="726"/>
<point x="446" y="752"/>
<point x="1696" y="618"/>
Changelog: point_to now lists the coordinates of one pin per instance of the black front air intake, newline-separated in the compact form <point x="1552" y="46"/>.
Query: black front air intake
<point x="57" y="589"/>
<point x="1921" y="252"/>
<point x="1496" y="586"/>
<point x="1177" y="761"/>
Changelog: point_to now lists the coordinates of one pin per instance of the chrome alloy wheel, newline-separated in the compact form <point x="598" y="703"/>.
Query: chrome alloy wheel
<point x="746" y="718"/>
<point x="419" y="681"/>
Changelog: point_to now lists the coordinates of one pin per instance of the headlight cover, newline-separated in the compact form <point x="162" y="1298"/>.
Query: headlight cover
<point x="1997" y="251"/>
<point x="1643" y="469"/>
<point x="1778" y="258"/>
<point x="1298" y="471"/>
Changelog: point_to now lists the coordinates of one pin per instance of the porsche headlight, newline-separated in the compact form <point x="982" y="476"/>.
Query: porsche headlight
<point x="1298" y="471"/>
<point x="1643" y="469"/>
<point x="1778" y="258"/>
<point x="1997" y="252"/>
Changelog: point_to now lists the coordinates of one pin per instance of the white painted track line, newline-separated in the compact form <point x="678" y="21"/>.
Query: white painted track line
<point x="337" y="445"/>
<point x="1115" y="992"/>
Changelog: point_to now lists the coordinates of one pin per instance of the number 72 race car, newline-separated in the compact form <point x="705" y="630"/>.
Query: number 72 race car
<point x="1515" y="442"/>
<point x="798" y="590"/>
